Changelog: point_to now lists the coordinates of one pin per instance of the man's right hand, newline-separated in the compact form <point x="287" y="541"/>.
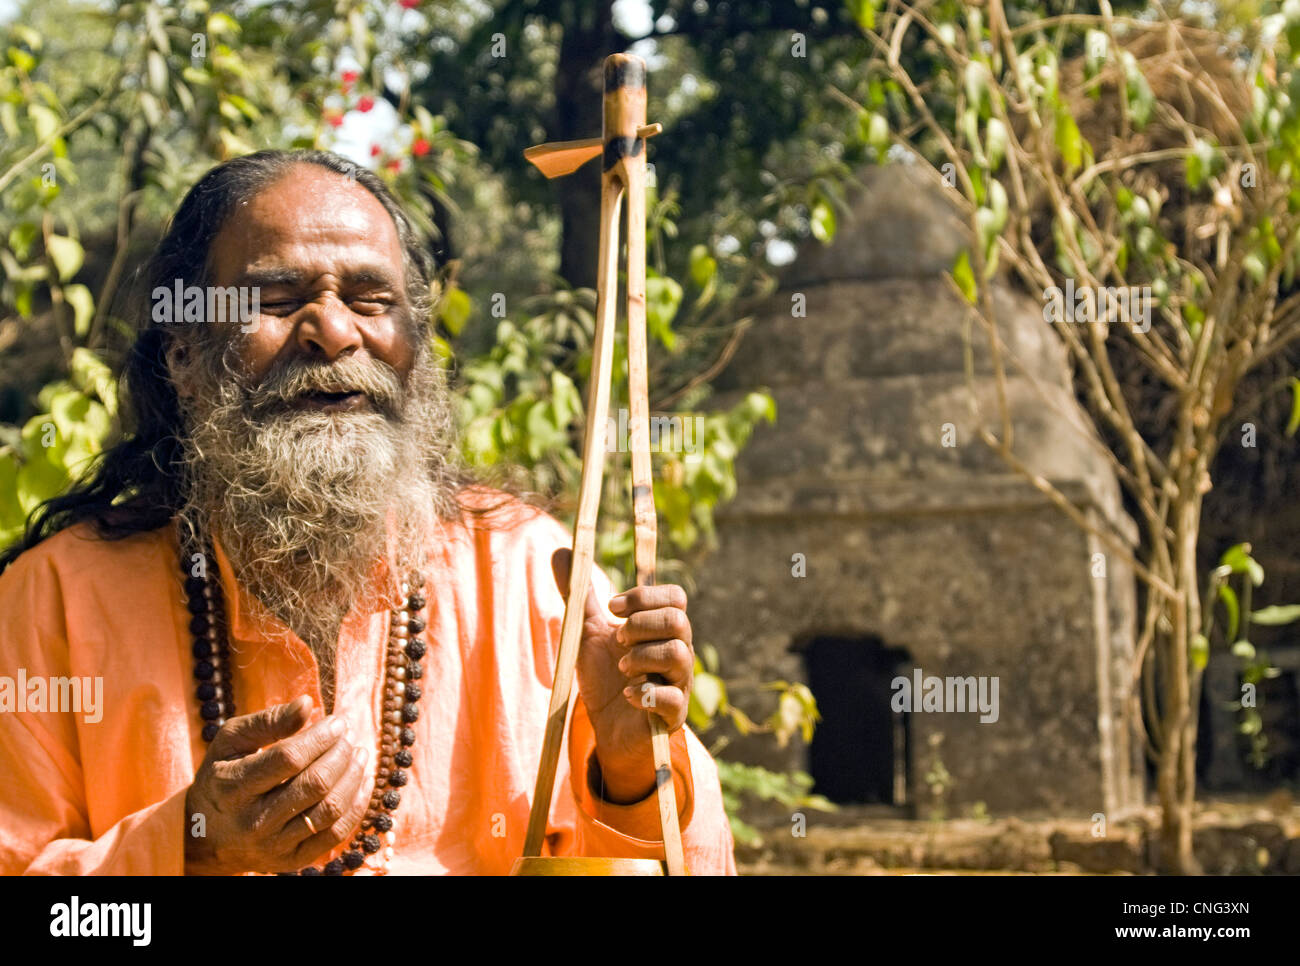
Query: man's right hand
<point x="261" y="775"/>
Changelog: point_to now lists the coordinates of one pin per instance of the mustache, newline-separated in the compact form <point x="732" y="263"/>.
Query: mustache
<point x="289" y="381"/>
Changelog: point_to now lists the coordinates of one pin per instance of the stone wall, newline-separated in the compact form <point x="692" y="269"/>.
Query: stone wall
<point x="915" y="532"/>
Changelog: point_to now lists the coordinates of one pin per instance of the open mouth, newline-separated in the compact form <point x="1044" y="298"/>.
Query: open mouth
<point x="333" y="400"/>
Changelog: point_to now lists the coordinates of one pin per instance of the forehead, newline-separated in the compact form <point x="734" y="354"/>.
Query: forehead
<point x="312" y="219"/>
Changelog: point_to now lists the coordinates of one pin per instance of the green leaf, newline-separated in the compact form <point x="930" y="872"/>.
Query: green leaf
<point x="1068" y="139"/>
<point x="68" y="409"/>
<point x="40" y="479"/>
<point x="83" y="307"/>
<point x="539" y="425"/>
<point x="1276" y="615"/>
<point x="663" y="296"/>
<point x="873" y="128"/>
<point x="231" y="143"/>
<point x="787" y="719"/>
<point x="863" y="13"/>
<point x="986" y="229"/>
<point x="1096" y="45"/>
<point x="443" y="351"/>
<point x="823" y="221"/>
<point x="229" y="111"/>
<point x="24" y="61"/>
<point x="1200" y="163"/>
<point x="157" y="67"/>
<point x="703" y="265"/>
<point x="989" y="221"/>
<point x="758" y="405"/>
<point x="1238" y="559"/>
<point x="1294" y="422"/>
<point x="92" y="376"/>
<point x="27" y="35"/>
<point x="21" y="237"/>
<point x="1200" y="652"/>
<point x="9" y="119"/>
<point x="969" y="127"/>
<point x="964" y="276"/>
<point x="565" y="398"/>
<point x="709" y="693"/>
<point x="11" y="511"/>
<point x="1253" y="265"/>
<point x="1229" y="598"/>
<point x="455" y="310"/>
<point x="1137" y="92"/>
<point x="44" y="120"/>
<point x="996" y="138"/>
<point x="976" y="79"/>
<point x="222" y="24"/>
<point x="245" y="107"/>
<point x="67" y="255"/>
<point x="184" y="96"/>
<point x="152" y="109"/>
<point x="153" y="21"/>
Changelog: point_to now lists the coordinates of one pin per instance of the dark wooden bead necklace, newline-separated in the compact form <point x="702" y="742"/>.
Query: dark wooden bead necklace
<point x="402" y="669"/>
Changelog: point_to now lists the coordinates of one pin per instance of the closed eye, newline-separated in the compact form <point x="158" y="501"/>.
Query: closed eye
<point x="281" y="306"/>
<point x="373" y="304"/>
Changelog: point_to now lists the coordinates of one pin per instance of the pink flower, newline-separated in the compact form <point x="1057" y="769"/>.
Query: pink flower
<point x="365" y="104"/>
<point x="394" y="165"/>
<point x="335" y="120"/>
<point x="374" y="150"/>
<point x="349" y="77"/>
<point x="409" y="4"/>
<point x="420" y="148"/>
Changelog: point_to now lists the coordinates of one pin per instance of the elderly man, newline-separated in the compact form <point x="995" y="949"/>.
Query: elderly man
<point x="321" y="647"/>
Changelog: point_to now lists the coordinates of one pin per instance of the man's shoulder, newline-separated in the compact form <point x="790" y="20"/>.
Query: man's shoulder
<point x="82" y="552"/>
<point x="501" y="517"/>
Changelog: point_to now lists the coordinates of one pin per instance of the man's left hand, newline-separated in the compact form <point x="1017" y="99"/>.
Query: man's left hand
<point x="614" y="662"/>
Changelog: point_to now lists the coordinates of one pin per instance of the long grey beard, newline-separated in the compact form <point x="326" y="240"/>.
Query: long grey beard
<point x="306" y="503"/>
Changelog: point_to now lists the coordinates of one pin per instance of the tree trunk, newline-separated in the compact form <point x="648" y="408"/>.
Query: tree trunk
<point x="589" y="37"/>
<point x="1177" y="766"/>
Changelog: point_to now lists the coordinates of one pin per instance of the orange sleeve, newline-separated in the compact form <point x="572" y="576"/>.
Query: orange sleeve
<point x="605" y="829"/>
<point x="44" y="813"/>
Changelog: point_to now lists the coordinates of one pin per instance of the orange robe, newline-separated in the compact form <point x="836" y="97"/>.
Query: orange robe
<point x="102" y="791"/>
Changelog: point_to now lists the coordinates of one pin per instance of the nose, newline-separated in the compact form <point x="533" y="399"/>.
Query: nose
<point x="327" y="329"/>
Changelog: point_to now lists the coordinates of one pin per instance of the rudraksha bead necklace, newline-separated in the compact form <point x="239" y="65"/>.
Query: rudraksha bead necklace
<point x="402" y="669"/>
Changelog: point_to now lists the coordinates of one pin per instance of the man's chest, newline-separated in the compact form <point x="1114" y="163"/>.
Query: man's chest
<point x="477" y="734"/>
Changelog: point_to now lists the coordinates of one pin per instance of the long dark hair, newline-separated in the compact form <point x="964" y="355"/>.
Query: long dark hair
<point x="137" y="484"/>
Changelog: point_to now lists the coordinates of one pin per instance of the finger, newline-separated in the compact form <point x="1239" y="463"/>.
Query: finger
<point x="673" y="659"/>
<point x="345" y="802"/>
<point x="660" y="624"/>
<point x="328" y="836"/>
<point x="647" y="597"/>
<point x="288" y="758"/>
<point x="249" y="732"/>
<point x="314" y="784"/>
<point x="666" y="701"/>
<point x="335" y="804"/>
<point x="561" y="564"/>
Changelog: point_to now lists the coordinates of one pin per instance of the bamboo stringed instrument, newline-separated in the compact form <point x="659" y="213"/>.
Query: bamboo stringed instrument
<point x="623" y="177"/>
